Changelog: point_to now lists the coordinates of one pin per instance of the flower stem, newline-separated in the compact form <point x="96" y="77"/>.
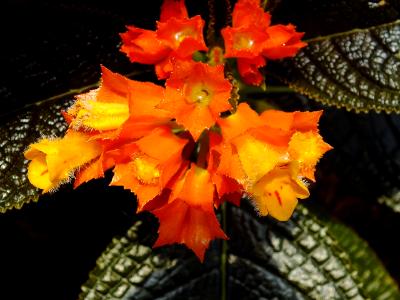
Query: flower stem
<point x="223" y="254"/>
<point x="211" y="23"/>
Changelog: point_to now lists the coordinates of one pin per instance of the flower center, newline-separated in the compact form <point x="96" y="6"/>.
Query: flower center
<point x="146" y="171"/>
<point x="184" y="33"/>
<point x="199" y="94"/>
<point x="242" y="41"/>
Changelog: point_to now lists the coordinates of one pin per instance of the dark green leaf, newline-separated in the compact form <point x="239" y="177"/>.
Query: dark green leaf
<point x="304" y="258"/>
<point x="377" y="284"/>
<point x="357" y="70"/>
<point x="16" y="134"/>
<point x="319" y="18"/>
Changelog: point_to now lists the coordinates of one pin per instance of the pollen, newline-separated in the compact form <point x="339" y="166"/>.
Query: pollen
<point x="146" y="170"/>
<point x="198" y="94"/>
<point x="242" y="41"/>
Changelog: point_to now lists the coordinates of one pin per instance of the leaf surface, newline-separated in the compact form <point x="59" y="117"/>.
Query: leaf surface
<point x="304" y="258"/>
<point x="358" y="70"/>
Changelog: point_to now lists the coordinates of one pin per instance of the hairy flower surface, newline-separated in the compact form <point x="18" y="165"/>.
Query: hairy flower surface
<point x="53" y="161"/>
<point x="177" y="37"/>
<point x="266" y="156"/>
<point x="253" y="41"/>
<point x="186" y="147"/>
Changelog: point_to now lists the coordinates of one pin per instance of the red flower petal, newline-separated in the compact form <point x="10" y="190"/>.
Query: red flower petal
<point x="185" y="224"/>
<point x="173" y="9"/>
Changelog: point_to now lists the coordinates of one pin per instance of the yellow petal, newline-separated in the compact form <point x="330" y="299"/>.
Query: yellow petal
<point x="257" y="158"/>
<point x="53" y="161"/>
<point x="307" y="148"/>
<point x="99" y="115"/>
<point x="277" y="193"/>
<point x="38" y="174"/>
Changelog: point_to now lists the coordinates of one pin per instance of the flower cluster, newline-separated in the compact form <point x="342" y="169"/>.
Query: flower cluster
<point x="182" y="148"/>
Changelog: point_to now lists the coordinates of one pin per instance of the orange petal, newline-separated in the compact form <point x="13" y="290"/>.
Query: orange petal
<point x="230" y="164"/>
<point x="173" y="9"/>
<point x="198" y="190"/>
<point x="174" y="32"/>
<point x="305" y="121"/>
<point x="161" y="143"/>
<point x="249" y="69"/>
<point x="143" y="46"/>
<point x="182" y="223"/>
<point x="239" y="122"/>
<point x="283" y="42"/>
<point x="144" y="98"/>
<point x="243" y="42"/>
<point x="93" y="170"/>
<point x="256" y="157"/>
<point x="196" y="94"/>
<point x="307" y="148"/>
<point x="248" y="13"/>
<point x="278" y="119"/>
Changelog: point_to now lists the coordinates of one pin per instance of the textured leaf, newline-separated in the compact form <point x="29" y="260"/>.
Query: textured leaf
<point x="319" y="18"/>
<point x="357" y="70"/>
<point x="300" y="259"/>
<point x="35" y="121"/>
<point x="16" y="134"/>
<point x="370" y="269"/>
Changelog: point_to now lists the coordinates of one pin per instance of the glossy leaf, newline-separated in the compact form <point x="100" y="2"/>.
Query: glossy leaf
<point x="358" y="70"/>
<point x="16" y="134"/>
<point x="304" y="258"/>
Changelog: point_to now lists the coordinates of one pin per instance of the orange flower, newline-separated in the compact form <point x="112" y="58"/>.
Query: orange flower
<point x="151" y="168"/>
<point x="251" y="40"/>
<point x="268" y="155"/>
<point x="189" y="217"/>
<point x="121" y="109"/>
<point x="277" y="192"/>
<point x="283" y="42"/>
<point x="177" y="36"/>
<point x="196" y="93"/>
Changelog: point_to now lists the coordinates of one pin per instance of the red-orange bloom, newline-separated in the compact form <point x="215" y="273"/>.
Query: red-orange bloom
<point x="151" y="167"/>
<point x="177" y="36"/>
<point x="196" y="93"/>
<point x="268" y="155"/>
<point x="189" y="217"/>
<point x="251" y="40"/>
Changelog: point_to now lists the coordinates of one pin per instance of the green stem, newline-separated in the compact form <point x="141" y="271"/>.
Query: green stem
<point x="224" y="254"/>
<point x="264" y="4"/>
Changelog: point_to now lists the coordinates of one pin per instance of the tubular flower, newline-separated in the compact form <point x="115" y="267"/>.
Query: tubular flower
<point x="182" y="148"/>
<point x="150" y="168"/>
<point x="270" y="156"/>
<point x="196" y="93"/>
<point x="252" y="40"/>
<point x="53" y="161"/>
<point x="189" y="217"/>
<point x="177" y="36"/>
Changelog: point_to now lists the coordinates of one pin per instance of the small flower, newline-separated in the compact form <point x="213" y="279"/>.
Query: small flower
<point x="53" y="161"/>
<point x="196" y="93"/>
<point x="252" y="40"/>
<point x="189" y="216"/>
<point x="269" y="156"/>
<point x="177" y="36"/>
<point x="150" y="168"/>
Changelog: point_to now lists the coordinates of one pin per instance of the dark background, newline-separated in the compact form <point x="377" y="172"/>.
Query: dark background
<point x="50" y="47"/>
